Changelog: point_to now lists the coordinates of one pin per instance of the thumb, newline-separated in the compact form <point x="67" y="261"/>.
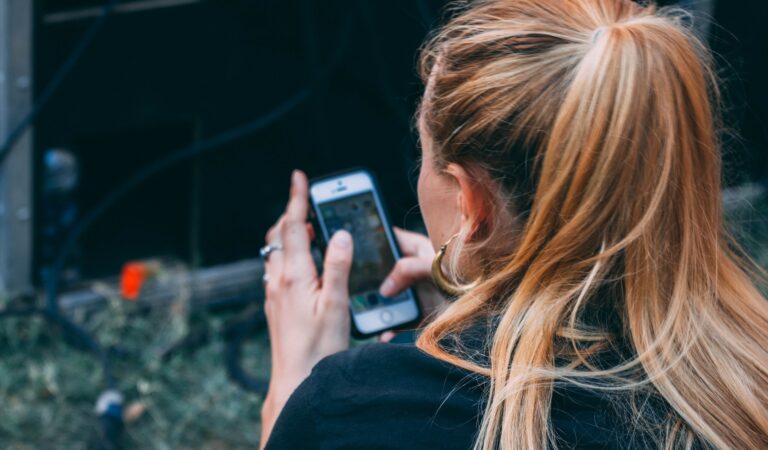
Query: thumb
<point x="336" y="267"/>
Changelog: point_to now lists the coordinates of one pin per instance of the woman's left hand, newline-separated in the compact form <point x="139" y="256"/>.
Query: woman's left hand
<point x="308" y="316"/>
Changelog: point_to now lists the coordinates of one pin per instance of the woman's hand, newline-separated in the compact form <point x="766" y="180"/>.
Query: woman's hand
<point x="414" y="269"/>
<point x="308" y="317"/>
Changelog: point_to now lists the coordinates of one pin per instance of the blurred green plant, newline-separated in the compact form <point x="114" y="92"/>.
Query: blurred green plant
<point x="48" y="389"/>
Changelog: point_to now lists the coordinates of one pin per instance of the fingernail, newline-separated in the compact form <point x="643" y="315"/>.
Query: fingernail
<point x="386" y="287"/>
<point x="342" y="239"/>
<point x="294" y="176"/>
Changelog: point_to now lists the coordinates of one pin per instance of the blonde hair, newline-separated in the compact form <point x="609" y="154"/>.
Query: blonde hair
<point x="593" y="123"/>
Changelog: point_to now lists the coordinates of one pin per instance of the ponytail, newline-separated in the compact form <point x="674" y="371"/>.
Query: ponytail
<point x="597" y="119"/>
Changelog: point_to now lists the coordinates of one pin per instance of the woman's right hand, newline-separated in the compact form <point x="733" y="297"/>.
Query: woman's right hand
<point x="414" y="269"/>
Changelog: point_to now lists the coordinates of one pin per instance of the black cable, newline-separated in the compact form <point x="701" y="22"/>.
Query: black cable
<point x="76" y="334"/>
<point x="197" y="148"/>
<point x="19" y="312"/>
<point x="81" y="338"/>
<point x="52" y="284"/>
<point x="234" y="336"/>
<point x="47" y="93"/>
<point x="118" y="193"/>
<point x="109" y="406"/>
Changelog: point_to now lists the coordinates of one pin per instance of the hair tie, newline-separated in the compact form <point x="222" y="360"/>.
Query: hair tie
<point x="596" y="34"/>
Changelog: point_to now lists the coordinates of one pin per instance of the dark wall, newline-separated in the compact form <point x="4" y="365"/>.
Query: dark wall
<point x="156" y="81"/>
<point x="740" y="42"/>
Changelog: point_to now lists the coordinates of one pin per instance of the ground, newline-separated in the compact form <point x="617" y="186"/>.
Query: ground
<point x="48" y="389"/>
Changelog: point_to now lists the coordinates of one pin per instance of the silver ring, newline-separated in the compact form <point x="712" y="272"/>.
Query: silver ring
<point x="268" y="249"/>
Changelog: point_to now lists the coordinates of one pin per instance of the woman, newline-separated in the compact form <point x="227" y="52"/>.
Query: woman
<point x="571" y="163"/>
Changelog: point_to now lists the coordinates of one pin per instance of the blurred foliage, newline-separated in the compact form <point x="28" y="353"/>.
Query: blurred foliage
<point x="48" y="389"/>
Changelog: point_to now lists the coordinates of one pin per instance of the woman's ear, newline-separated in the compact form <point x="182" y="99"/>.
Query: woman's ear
<point x="472" y="197"/>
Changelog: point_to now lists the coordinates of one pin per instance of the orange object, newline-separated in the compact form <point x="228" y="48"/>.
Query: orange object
<point x="132" y="278"/>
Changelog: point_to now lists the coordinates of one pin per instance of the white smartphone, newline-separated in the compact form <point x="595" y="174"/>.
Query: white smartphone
<point x="351" y="201"/>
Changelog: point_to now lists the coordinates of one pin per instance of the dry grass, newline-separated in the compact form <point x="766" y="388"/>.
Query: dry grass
<point x="48" y="389"/>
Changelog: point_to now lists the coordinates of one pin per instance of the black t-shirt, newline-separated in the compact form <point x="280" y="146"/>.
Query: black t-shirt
<point x="394" y="396"/>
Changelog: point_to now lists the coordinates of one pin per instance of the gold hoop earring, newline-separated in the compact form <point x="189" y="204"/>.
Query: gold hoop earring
<point x="446" y="286"/>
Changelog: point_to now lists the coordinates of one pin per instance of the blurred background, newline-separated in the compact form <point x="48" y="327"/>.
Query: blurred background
<point x="146" y="149"/>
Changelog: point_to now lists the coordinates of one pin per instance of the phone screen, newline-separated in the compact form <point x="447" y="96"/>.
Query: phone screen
<point x="373" y="258"/>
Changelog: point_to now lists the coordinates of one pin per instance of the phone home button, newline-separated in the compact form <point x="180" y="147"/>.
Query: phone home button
<point x="385" y="316"/>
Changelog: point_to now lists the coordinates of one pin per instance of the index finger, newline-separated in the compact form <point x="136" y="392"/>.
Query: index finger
<point x="296" y="244"/>
<point x="298" y="203"/>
